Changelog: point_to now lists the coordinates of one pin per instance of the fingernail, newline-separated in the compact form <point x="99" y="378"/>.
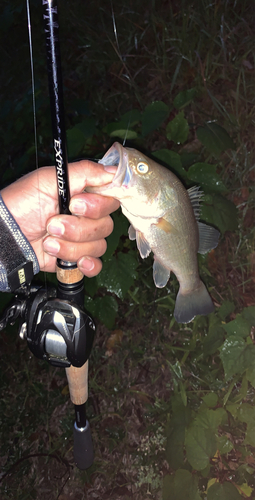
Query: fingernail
<point x="56" y="228"/>
<point x="86" y="264"/>
<point x="78" y="207"/>
<point x="51" y="246"/>
<point x="110" y="169"/>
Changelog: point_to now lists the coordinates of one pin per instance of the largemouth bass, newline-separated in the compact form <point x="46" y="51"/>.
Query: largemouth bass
<point x="164" y="219"/>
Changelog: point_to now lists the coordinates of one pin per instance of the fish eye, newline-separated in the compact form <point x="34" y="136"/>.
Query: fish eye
<point x="142" y="167"/>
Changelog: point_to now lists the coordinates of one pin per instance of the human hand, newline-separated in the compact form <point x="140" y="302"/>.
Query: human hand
<point x="33" y="202"/>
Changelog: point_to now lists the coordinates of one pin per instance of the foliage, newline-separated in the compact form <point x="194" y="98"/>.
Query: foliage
<point x="171" y="406"/>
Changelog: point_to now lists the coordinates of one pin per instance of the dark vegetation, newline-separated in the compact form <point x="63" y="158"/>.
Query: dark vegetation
<point x="171" y="406"/>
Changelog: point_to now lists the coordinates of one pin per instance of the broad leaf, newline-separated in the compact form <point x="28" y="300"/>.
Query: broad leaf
<point x="77" y="136"/>
<point x="75" y="141"/>
<point x="246" y="413"/>
<point x="220" y="212"/>
<point x="124" y="134"/>
<point x="118" y="273"/>
<point x="201" y="445"/>
<point x="184" y="98"/>
<point x="104" y="308"/>
<point x="153" y="116"/>
<point x="224" y="445"/>
<point x="236" y="356"/>
<point x="172" y="160"/>
<point x="239" y="327"/>
<point x="215" y="337"/>
<point x="251" y="375"/>
<point x="210" y="419"/>
<point x="178" y="129"/>
<point x="176" y="436"/>
<point x="211" y="399"/>
<point x="120" y="228"/>
<point x="206" y="175"/>
<point x="183" y="485"/>
<point x="225" y="309"/>
<point x="215" y="138"/>
<point x="225" y="491"/>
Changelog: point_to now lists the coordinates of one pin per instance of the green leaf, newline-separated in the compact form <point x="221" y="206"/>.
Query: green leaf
<point x="225" y="491"/>
<point x="215" y="337"/>
<point x="210" y="419"/>
<point x="239" y="327"/>
<point x="104" y="308"/>
<point x="206" y="175"/>
<point x="120" y="129"/>
<point x="188" y="159"/>
<point x="124" y="134"/>
<point x="215" y="138"/>
<point x="224" y="445"/>
<point x="121" y="224"/>
<point x="225" y="309"/>
<point x="118" y="273"/>
<point x="201" y="445"/>
<point x="249" y="314"/>
<point x="123" y="128"/>
<point x="184" y="98"/>
<point x="77" y="136"/>
<point x="131" y="118"/>
<point x="153" y="116"/>
<point x="246" y="413"/>
<point x="220" y="212"/>
<point x="172" y="160"/>
<point x="176" y="435"/>
<point x="211" y="399"/>
<point x="236" y="356"/>
<point x="178" y="129"/>
<point x="183" y="485"/>
<point x="251" y="375"/>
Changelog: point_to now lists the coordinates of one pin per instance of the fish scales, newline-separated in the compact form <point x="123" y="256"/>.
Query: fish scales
<point x="163" y="217"/>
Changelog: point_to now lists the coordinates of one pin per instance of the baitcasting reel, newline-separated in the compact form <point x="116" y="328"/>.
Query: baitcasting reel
<point x="56" y="330"/>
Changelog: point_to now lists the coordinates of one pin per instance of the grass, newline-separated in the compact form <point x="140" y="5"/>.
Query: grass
<point x="151" y="372"/>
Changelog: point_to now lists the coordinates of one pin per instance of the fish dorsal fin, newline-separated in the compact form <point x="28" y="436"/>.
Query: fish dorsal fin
<point x="161" y="274"/>
<point x="142" y="245"/>
<point x="195" y="196"/>
<point x="131" y="232"/>
<point x="208" y="238"/>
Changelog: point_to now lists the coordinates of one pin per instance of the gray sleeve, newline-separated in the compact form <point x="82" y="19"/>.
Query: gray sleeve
<point x="15" y="252"/>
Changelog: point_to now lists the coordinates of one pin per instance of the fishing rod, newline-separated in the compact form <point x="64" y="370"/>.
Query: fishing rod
<point x="70" y="279"/>
<point x="53" y="320"/>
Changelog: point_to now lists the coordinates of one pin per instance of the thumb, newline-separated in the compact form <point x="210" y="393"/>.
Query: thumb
<point x="87" y="173"/>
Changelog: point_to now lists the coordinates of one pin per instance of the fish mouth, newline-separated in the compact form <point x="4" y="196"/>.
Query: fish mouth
<point x="117" y="156"/>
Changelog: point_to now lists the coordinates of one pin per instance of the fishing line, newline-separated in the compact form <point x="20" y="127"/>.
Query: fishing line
<point x="120" y="56"/>
<point x="115" y="29"/>
<point x="34" y="114"/>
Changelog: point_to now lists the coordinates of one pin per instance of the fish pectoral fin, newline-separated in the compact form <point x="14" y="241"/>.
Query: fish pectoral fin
<point x="142" y="245"/>
<point x="131" y="232"/>
<point x="208" y="238"/>
<point x="161" y="274"/>
<point x="166" y="226"/>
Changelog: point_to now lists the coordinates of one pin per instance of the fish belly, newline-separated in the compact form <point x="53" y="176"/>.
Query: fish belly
<point x="176" y="250"/>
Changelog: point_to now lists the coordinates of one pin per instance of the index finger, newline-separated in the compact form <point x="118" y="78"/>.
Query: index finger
<point x="93" y="206"/>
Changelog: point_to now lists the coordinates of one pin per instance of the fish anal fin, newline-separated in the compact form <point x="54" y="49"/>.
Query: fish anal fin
<point x="208" y="237"/>
<point x="161" y="274"/>
<point x="142" y="245"/>
<point x="166" y="226"/>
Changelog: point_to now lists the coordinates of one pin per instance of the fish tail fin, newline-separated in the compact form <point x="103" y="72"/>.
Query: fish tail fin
<point x="189" y="305"/>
